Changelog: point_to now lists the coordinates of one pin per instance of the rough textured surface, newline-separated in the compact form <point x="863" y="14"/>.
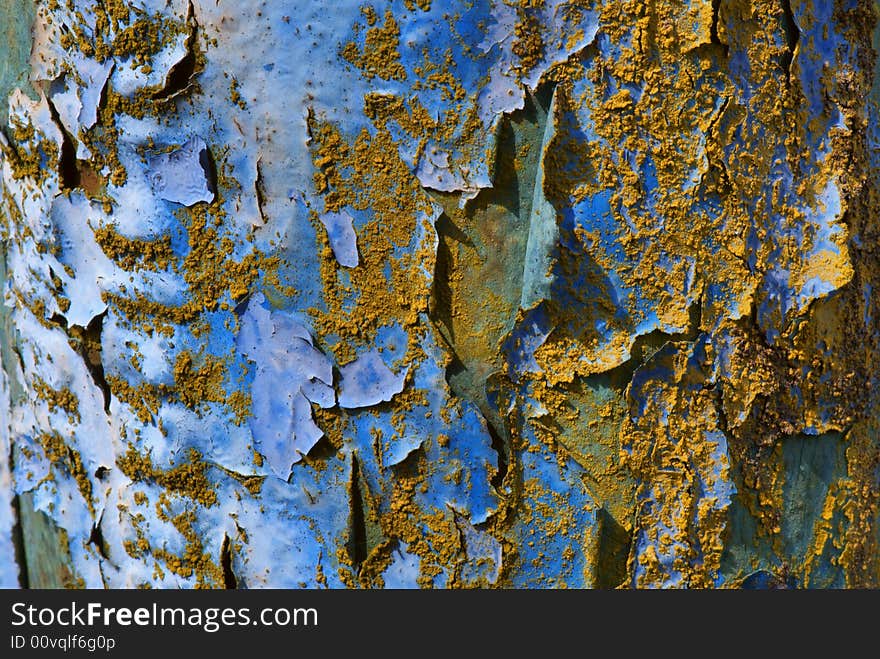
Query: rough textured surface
<point x="532" y="293"/>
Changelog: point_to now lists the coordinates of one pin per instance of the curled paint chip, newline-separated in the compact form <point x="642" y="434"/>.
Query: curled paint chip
<point x="95" y="76"/>
<point x="343" y="239"/>
<point x="69" y="215"/>
<point x="368" y="381"/>
<point x="290" y="375"/>
<point x="403" y="571"/>
<point x="483" y="553"/>
<point x="181" y="176"/>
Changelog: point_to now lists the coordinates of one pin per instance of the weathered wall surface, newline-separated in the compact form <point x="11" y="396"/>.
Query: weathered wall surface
<point x="533" y="293"/>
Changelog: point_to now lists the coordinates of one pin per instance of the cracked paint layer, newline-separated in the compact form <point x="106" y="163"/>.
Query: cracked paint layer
<point x="539" y="293"/>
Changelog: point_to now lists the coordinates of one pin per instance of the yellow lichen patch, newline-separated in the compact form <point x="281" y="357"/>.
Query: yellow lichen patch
<point x="528" y="44"/>
<point x="235" y="95"/>
<point x="240" y="403"/>
<point x="380" y="56"/>
<point x="253" y="484"/>
<point x="370" y="573"/>
<point x="756" y="370"/>
<point x="133" y="253"/>
<point x="63" y="399"/>
<point x="194" y="560"/>
<point x="116" y="35"/>
<point x="424" y="5"/>
<point x="34" y="157"/>
<point x="197" y="385"/>
<point x="860" y="555"/>
<point x="189" y="479"/>
<point x="198" y="381"/>
<point x="438" y="75"/>
<point x="144" y="399"/>
<point x="210" y="268"/>
<point x="330" y="421"/>
<point x="140" y="40"/>
<point x="370" y="175"/>
<point x="61" y="455"/>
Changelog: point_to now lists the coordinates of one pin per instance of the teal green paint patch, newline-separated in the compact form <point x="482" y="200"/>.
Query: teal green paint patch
<point x="746" y="552"/>
<point x="17" y="18"/>
<point x="813" y="464"/>
<point x="798" y="556"/>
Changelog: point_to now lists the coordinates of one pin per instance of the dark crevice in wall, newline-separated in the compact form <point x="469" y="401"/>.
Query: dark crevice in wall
<point x="260" y="191"/>
<point x="209" y="165"/>
<point x="646" y="345"/>
<point x="502" y="447"/>
<point x="96" y="538"/>
<point x="357" y="538"/>
<point x="409" y="466"/>
<point x="230" y="582"/>
<point x="322" y="451"/>
<point x="68" y="172"/>
<point x="87" y="343"/>
<point x="180" y="75"/>
<point x="792" y="36"/>
<point x="713" y="30"/>
<point x="440" y="308"/>
<point x="613" y="552"/>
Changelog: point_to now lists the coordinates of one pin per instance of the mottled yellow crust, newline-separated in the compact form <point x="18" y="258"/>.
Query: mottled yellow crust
<point x="664" y="97"/>
<point x="189" y="479"/>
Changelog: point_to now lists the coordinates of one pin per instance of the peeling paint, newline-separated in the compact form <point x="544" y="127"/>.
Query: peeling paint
<point x="557" y="293"/>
